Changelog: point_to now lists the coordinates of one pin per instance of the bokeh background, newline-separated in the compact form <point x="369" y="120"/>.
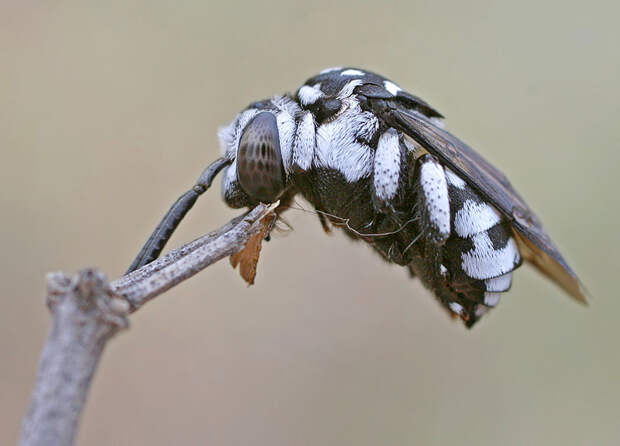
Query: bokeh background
<point x="109" y="110"/>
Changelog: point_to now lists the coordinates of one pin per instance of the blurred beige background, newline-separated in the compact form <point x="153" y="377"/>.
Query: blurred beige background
<point x="109" y="110"/>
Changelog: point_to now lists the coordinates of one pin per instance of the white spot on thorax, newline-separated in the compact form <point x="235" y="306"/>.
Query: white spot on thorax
<point x="474" y="218"/>
<point x="391" y="87"/>
<point x="387" y="166"/>
<point x="352" y="72"/>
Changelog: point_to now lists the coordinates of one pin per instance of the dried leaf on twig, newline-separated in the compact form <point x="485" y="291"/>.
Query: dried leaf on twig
<point x="247" y="258"/>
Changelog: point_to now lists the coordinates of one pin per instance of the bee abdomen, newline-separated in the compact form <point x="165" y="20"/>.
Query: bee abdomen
<point x="480" y="255"/>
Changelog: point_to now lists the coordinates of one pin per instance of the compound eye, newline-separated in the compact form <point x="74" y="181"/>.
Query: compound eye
<point x="259" y="160"/>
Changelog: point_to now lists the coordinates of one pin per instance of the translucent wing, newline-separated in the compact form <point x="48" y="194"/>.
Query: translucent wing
<point x="536" y="246"/>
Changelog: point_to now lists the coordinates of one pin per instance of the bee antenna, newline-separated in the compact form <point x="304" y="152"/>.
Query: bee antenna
<point x="162" y="233"/>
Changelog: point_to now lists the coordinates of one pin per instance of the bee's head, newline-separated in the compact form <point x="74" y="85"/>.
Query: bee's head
<point x="257" y="143"/>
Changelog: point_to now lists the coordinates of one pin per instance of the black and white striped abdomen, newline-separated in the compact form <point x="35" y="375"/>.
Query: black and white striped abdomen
<point x="479" y="256"/>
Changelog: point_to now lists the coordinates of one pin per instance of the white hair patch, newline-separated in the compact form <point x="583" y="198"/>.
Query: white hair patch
<point x="309" y="95"/>
<point x="480" y="310"/>
<point x="454" y="179"/>
<point x="391" y="87"/>
<point x="338" y="143"/>
<point x="456" y="307"/>
<point x="304" y="143"/>
<point x="285" y="103"/>
<point x="352" y="72"/>
<point x="346" y="91"/>
<point x="474" y="218"/>
<point x="491" y="299"/>
<point x="286" y="129"/>
<point x="329" y="70"/>
<point x="229" y="176"/>
<point x="484" y="261"/>
<point x="226" y="137"/>
<point x="499" y="284"/>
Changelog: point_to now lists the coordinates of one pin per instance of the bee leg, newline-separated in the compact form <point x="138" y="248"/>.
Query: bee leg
<point x="433" y="199"/>
<point x="387" y="172"/>
<point x="386" y="239"/>
<point x="428" y="182"/>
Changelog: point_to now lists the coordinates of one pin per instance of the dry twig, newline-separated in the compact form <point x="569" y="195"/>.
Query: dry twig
<point x="87" y="311"/>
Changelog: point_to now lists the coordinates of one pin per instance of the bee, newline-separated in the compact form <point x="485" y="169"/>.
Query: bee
<point x="378" y="163"/>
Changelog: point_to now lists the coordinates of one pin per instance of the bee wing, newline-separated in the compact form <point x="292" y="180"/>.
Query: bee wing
<point x="536" y="246"/>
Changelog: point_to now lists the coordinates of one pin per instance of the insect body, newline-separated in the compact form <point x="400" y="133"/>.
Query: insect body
<point x="376" y="161"/>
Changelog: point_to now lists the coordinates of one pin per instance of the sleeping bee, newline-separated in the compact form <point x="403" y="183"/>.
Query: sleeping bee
<point x="377" y="162"/>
